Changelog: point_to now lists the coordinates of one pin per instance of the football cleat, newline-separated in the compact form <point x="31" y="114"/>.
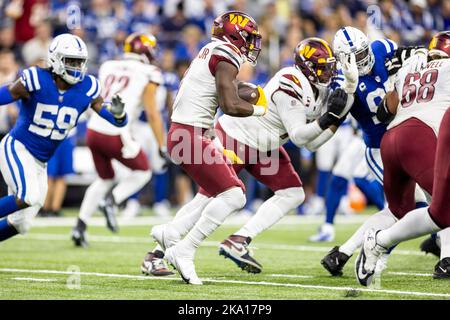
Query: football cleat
<point x="442" y="269"/>
<point x="430" y="245"/>
<point x="325" y="234"/>
<point x="154" y="264"/>
<point x="165" y="235"/>
<point x="109" y="209"/>
<point x="236" y="248"/>
<point x="335" y="261"/>
<point x="79" y="234"/>
<point x="183" y="262"/>
<point x="367" y="260"/>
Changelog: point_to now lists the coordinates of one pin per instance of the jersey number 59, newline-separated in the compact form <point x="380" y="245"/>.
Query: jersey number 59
<point x="46" y="127"/>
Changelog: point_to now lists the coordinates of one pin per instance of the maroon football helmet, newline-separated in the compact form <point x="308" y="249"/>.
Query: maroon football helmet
<point x="140" y="44"/>
<point x="440" y="45"/>
<point x="315" y="59"/>
<point x="241" y="30"/>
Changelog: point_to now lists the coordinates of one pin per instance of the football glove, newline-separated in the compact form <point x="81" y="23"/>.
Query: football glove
<point x="262" y="102"/>
<point x="232" y="156"/>
<point x="165" y="156"/>
<point x="400" y="56"/>
<point x="117" y="107"/>
<point x="336" y="109"/>
<point x="350" y="70"/>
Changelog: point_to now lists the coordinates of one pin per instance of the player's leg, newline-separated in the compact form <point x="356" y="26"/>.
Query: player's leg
<point x="13" y="177"/>
<point x="33" y="189"/>
<point x="209" y="169"/>
<point x="97" y="191"/>
<point x="342" y="173"/>
<point x="277" y="173"/>
<point x="402" y="171"/>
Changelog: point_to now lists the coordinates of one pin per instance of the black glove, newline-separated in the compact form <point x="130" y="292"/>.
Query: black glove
<point x="165" y="156"/>
<point x="400" y="55"/>
<point x="336" y="105"/>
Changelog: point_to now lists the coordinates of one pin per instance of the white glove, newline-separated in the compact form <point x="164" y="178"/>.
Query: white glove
<point x="131" y="147"/>
<point x="418" y="60"/>
<point x="351" y="75"/>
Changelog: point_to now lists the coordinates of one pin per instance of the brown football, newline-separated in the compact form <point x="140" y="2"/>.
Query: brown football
<point x="248" y="92"/>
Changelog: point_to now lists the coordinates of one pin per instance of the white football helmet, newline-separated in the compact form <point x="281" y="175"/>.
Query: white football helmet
<point x="350" y="40"/>
<point x="68" y="55"/>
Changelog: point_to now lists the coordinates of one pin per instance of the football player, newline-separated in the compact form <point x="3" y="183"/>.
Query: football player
<point x="208" y="83"/>
<point x="136" y="80"/>
<point x="52" y="101"/>
<point x="295" y="111"/>
<point x="374" y="81"/>
<point x="420" y="103"/>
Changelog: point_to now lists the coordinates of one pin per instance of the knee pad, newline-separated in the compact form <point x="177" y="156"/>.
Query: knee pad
<point x="21" y="220"/>
<point x="235" y="197"/>
<point x="292" y="197"/>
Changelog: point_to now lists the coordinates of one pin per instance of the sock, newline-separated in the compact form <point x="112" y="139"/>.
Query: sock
<point x="130" y="184"/>
<point x="214" y="214"/>
<point x="92" y="198"/>
<point x="373" y="190"/>
<point x="414" y="224"/>
<point x="322" y="181"/>
<point x="272" y="210"/>
<point x="444" y="236"/>
<point x="6" y="230"/>
<point x="160" y="186"/>
<point x="338" y="188"/>
<point x="8" y="205"/>
<point x="380" y="220"/>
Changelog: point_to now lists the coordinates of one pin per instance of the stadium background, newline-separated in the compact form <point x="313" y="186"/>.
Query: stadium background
<point x="182" y="27"/>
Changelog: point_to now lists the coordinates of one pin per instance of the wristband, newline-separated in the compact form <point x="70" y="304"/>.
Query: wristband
<point x="259" y="110"/>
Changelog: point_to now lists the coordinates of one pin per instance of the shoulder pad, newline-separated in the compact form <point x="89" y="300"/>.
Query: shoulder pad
<point x="30" y="79"/>
<point x="93" y="86"/>
<point x="290" y="83"/>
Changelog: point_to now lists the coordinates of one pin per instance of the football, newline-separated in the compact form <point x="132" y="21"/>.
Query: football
<point x="248" y="92"/>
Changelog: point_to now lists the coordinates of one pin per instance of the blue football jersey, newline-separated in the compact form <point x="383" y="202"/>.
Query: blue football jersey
<point x="369" y="93"/>
<point x="47" y="116"/>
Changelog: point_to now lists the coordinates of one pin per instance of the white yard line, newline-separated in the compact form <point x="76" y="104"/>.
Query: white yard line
<point x="257" y="283"/>
<point x="33" y="279"/>
<point x="287" y="221"/>
<point x="294" y="276"/>
<point x="411" y="274"/>
<point x="127" y="239"/>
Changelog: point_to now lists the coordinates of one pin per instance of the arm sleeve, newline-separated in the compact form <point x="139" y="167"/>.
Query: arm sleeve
<point x="320" y="140"/>
<point x="108" y="116"/>
<point x="293" y="116"/>
<point x="5" y="96"/>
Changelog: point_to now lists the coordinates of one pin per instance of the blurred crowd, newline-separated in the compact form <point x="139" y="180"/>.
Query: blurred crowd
<point x="183" y="26"/>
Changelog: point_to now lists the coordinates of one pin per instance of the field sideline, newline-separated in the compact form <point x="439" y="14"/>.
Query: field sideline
<point x="45" y="265"/>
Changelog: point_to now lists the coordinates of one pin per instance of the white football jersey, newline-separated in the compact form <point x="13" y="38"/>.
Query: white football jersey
<point x="294" y="94"/>
<point x="196" y="102"/>
<point x="127" y="78"/>
<point x="423" y="94"/>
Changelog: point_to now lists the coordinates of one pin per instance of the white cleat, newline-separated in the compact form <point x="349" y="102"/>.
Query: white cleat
<point x="368" y="261"/>
<point x="165" y="235"/>
<point x="184" y="263"/>
<point x="325" y="234"/>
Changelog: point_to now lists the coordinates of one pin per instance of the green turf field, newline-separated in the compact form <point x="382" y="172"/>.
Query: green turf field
<point x="44" y="265"/>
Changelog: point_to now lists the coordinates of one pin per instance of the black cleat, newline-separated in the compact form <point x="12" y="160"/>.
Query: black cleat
<point x="236" y="248"/>
<point x="79" y="234"/>
<point x="442" y="269"/>
<point x="109" y="209"/>
<point x="335" y="261"/>
<point x="429" y="245"/>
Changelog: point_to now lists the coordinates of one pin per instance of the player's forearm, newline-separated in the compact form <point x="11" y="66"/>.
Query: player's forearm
<point x="156" y="124"/>
<point x="5" y="96"/>
<point x="320" y="140"/>
<point x="303" y="134"/>
<point x="113" y="119"/>
<point x="236" y="107"/>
